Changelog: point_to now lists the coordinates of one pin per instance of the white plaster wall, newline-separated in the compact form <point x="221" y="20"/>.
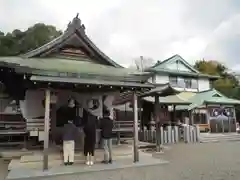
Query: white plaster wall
<point x="162" y="79"/>
<point x="191" y="90"/>
<point x="32" y="105"/>
<point x="203" y="84"/>
<point x="150" y="80"/>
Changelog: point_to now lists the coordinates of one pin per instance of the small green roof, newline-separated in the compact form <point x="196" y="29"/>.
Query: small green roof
<point x="170" y="100"/>
<point x="208" y="97"/>
<point x="161" y="90"/>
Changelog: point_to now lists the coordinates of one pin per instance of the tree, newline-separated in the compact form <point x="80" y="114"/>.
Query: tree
<point x="19" y="42"/>
<point x="227" y="82"/>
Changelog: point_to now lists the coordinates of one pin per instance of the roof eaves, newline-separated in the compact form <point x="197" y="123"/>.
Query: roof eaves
<point x="88" y="81"/>
<point x="103" y="55"/>
<point x="47" y="46"/>
<point x="164" y="61"/>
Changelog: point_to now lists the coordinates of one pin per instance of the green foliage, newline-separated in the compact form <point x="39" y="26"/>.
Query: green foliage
<point x="18" y="42"/>
<point x="226" y="84"/>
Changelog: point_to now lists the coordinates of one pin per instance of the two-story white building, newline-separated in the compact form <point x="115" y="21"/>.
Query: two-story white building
<point x="208" y="107"/>
<point x="180" y="74"/>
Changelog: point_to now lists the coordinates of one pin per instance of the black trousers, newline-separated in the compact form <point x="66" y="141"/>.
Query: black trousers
<point x="89" y="143"/>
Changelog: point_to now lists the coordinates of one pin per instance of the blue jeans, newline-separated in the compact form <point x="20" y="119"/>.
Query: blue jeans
<point x="107" y="146"/>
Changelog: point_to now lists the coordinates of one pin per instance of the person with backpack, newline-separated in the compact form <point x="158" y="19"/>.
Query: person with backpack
<point x="106" y="126"/>
<point x="69" y="134"/>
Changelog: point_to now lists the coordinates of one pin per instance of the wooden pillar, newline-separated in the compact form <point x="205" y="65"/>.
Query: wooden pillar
<point x="234" y="118"/>
<point x="157" y="123"/>
<point x="46" y="129"/>
<point x="135" y="128"/>
<point x="191" y="117"/>
<point x="208" y="117"/>
<point x="156" y="109"/>
<point x="174" y="113"/>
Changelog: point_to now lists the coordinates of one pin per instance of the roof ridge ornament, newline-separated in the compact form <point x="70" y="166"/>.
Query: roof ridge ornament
<point x="76" y="23"/>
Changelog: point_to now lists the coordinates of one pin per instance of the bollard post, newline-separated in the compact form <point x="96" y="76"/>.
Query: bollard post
<point x="186" y="134"/>
<point x="165" y="136"/>
<point x="190" y="134"/>
<point x="169" y="134"/>
<point x="162" y="135"/>
<point x="197" y="133"/>
<point x="194" y="134"/>
<point x="145" y="135"/>
<point x="173" y="137"/>
<point x="154" y="136"/>
<point x="176" y="134"/>
<point x="158" y="139"/>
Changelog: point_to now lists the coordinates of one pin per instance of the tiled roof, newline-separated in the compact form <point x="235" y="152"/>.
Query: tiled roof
<point x="211" y="96"/>
<point x="56" y="66"/>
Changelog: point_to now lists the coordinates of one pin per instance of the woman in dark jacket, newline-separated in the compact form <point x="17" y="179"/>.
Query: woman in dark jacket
<point x="89" y="127"/>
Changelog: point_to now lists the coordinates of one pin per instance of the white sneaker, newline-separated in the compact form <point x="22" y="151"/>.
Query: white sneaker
<point x="91" y="160"/>
<point x="87" y="160"/>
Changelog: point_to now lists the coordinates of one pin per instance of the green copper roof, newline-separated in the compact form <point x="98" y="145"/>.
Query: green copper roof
<point x="161" y="67"/>
<point x="162" y="64"/>
<point x="161" y="90"/>
<point x="171" y="100"/>
<point x="89" y="81"/>
<point x="208" y="97"/>
<point x="53" y="66"/>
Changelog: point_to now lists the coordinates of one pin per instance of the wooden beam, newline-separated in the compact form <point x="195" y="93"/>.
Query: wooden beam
<point x="46" y="129"/>
<point x="135" y="128"/>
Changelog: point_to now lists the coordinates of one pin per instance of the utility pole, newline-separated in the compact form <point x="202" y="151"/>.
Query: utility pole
<point x="141" y="61"/>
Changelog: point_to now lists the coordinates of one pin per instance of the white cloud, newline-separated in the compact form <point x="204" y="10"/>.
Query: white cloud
<point x="126" y="29"/>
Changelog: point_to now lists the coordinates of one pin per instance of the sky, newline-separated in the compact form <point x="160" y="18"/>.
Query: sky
<point x="128" y="29"/>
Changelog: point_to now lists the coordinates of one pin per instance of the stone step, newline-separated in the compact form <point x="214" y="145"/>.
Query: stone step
<point x="78" y="155"/>
<point x="220" y="139"/>
<point x="16" y="163"/>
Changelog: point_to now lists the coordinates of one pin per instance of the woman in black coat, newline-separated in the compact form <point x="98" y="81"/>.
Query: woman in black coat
<point x="89" y="127"/>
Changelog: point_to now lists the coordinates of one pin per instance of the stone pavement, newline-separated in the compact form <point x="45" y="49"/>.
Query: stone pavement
<point x="208" y="161"/>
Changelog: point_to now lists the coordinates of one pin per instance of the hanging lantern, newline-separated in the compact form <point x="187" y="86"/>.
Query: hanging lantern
<point x="54" y="98"/>
<point x="215" y="112"/>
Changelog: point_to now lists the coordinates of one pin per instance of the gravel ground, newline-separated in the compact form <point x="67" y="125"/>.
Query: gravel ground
<point x="208" y="161"/>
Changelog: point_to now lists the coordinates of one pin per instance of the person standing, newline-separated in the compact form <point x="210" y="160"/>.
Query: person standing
<point x="89" y="128"/>
<point x="69" y="134"/>
<point x="106" y="125"/>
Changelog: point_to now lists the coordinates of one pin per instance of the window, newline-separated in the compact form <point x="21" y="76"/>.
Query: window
<point x="173" y="80"/>
<point x="188" y="83"/>
<point x="181" y="82"/>
<point x="194" y="84"/>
